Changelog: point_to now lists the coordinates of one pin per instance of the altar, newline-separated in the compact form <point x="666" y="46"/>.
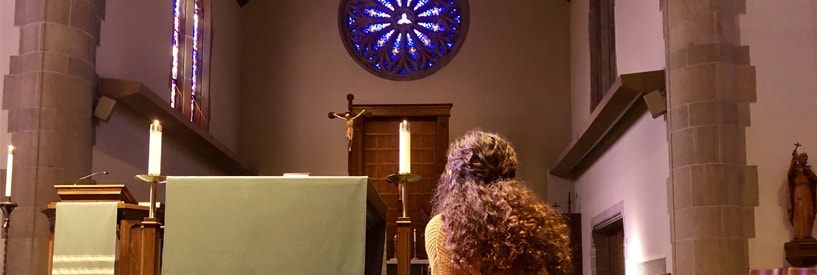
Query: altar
<point x="266" y="225"/>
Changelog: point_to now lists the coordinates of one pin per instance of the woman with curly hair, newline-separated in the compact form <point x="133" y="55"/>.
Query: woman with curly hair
<point x="488" y="222"/>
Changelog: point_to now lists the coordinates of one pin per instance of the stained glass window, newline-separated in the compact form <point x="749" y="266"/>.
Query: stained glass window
<point x="187" y="94"/>
<point x="403" y="39"/>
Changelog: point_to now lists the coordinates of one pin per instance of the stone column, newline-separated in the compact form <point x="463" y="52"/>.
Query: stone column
<point x="49" y="94"/>
<point x="711" y="82"/>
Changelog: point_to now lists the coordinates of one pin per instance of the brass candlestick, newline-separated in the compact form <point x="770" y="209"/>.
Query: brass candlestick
<point x="7" y="207"/>
<point x="401" y="180"/>
<point x="153" y="180"/>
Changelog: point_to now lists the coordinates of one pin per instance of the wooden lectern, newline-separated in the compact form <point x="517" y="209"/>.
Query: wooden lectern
<point x="132" y="232"/>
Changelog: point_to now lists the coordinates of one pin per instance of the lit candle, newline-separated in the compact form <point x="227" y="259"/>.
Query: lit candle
<point x="9" y="166"/>
<point x="155" y="153"/>
<point x="405" y="148"/>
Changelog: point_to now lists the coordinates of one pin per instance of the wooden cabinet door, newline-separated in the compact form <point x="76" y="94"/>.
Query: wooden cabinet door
<point x="375" y="151"/>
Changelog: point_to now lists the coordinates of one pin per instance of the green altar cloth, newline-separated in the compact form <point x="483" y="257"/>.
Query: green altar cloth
<point x="85" y="238"/>
<point x="264" y="225"/>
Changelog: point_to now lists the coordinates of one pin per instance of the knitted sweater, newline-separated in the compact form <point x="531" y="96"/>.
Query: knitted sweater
<point x="439" y="259"/>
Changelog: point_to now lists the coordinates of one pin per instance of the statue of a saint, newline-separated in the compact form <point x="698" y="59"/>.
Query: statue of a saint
<point x="350" y="124"/>
<point x="802" y="184"/>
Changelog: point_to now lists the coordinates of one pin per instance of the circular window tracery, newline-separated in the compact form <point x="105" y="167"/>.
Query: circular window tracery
<point x="403" y="39"/>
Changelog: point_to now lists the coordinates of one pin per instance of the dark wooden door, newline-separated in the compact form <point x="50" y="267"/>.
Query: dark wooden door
<point x="616" y="242"/>
<point x="375" y="151"/>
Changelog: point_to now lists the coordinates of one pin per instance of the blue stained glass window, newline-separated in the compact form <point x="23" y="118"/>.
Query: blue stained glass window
<point x="403" y="39"/>
<point x="187" y="61"/>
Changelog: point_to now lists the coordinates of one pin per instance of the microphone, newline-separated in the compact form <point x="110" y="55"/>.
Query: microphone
<point x="90" y="175"/>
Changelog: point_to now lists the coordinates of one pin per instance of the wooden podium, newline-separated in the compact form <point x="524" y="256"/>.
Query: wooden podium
<point x="135" y="232"/>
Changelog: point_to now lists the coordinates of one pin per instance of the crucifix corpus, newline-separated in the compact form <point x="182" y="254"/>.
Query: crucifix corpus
<point x="350" y="120"/>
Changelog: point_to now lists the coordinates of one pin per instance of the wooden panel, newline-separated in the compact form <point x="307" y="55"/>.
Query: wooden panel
<point x="375" y="153"/>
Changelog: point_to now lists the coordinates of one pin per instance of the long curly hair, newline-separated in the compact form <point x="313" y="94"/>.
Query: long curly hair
<point x="494" y="223"/>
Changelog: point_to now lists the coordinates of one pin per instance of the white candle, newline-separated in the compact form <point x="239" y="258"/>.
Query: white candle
<point x="405" y="148"/>
<point x="155" y="153"/>
<point x="9" y="167"/>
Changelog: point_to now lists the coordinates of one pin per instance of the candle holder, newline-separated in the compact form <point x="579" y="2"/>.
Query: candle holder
<point x="401" y="180"/>
<point x="7" y="207"/>
<point x="153" y="180"/>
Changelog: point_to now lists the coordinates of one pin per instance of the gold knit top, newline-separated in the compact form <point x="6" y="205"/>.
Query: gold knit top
<point x="439" y="259"/>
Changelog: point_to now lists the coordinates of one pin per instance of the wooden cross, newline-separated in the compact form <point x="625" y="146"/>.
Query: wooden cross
<point x="350" y="127"/>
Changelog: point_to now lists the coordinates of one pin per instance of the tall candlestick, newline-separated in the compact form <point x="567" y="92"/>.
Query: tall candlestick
<point x="9" y="167"/>
<point x="405" y="148"/>
<point x="155" y="153"/>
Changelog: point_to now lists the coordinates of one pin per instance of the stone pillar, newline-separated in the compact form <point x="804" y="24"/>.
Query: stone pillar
<point x="711" y="82"/>
<point x="49" y="94"/>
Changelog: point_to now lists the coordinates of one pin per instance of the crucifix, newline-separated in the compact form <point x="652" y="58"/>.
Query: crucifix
<point x="350" y="119"/>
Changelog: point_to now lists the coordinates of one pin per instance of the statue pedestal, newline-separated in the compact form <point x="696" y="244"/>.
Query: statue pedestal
<point x="802" y="252"/>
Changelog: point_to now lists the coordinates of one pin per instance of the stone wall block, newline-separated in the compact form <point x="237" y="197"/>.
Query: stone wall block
<point x="706" y="222"/>
<point x="68" y="40"/>
<point x="682" y="186"/>
<point x="23" y="119"/>
<point x="703" y="53"/>
<point x="701" y="26"/>
<point x="732" y="144"/>
<point x="727" y="81"/>
<point x="83" y="16"/>
<point x="99" y="7"/>
<point x="29" y="11"/>
<point x="736" y="261"/>
<point x="727" y="27"/>
<point x="23" y="216"/>
<point x="746" y="84"/>
<point x="676" y="39"/>
<point x="678" y="59"/>
<point x="681" y="152"/>
<point x="711" y="113"/>
<point x="27" y="94"/>
<point x="750" y="195"/>
<point x="677" y="83"/>
<point x="23" y="249"/>
<point x="24" y="142"/>
<point x="703" y="222"/>
<point x="57" y="11"/>
<point x="53" y="143"/>
<point x="11" y="90"/>
<point x="31" y="38"/>
<point x="19" y="12"/>
<point x="38" y="258"/>
<point x="709" y="185"/>
<point x="50" y="119"/>
<point x="694" y="83"/>
<point x="54" y="62"/>
<point x="48" y="177"/>
<point x="744" y="114"/>
<point x="741" y="55"/>
<point x="734" y="221"/>
<point x="704" y="251"/>
<point x="44" y="61"/>
<point x="732" y="180"/>
<point x="729" y="114"/>
<point x="684" y="265"/>
<point x="680" y="116"/>
<point x="81" y="69"/>
<point x="67" y="92"/>
<point x="36" y="11"/>
<point x="15" y="64"/>
<point x="705" y="144"/>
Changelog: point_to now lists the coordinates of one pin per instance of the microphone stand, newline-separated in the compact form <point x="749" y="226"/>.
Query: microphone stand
<point x="90" y="175"/>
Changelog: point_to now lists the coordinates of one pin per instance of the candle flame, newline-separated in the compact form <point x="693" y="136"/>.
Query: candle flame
<point x="11" y="149"/>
